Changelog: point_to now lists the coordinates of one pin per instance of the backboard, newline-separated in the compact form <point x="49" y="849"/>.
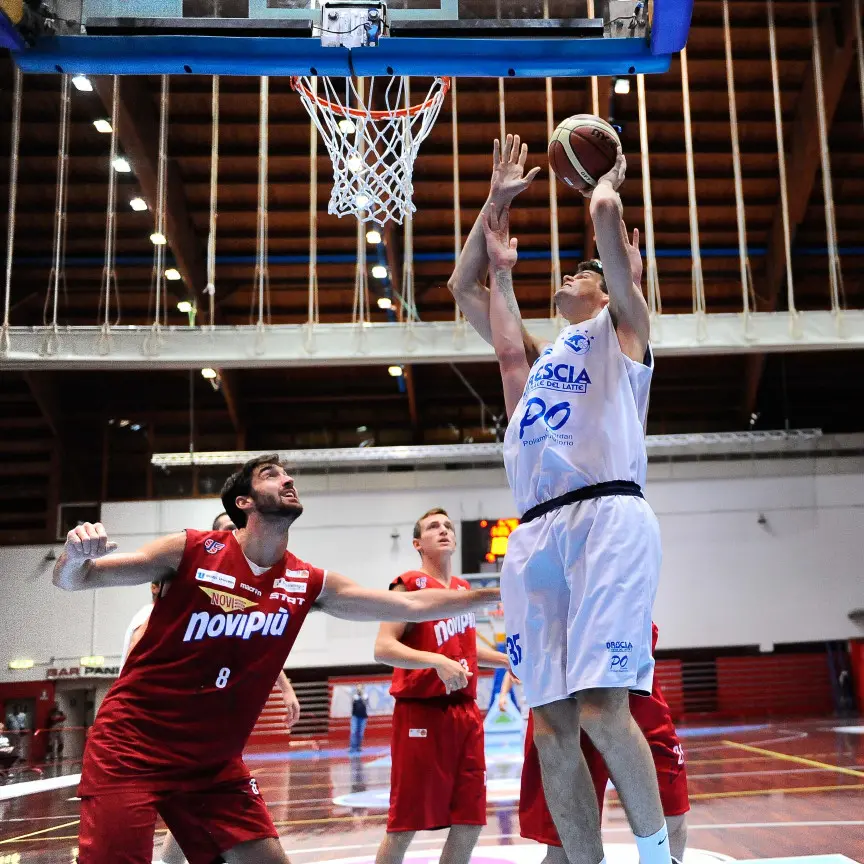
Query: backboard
<point x="497" y="38"/>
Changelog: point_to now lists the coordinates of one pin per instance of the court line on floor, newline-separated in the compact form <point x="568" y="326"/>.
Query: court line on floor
<point x="36" y="833"/>
<point x="801" y="760"/>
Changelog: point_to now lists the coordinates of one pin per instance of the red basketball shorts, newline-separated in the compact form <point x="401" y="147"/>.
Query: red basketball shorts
<point x="654" y="719"/>
<point x="118" y="827"/>
<point x="438" y="776"/>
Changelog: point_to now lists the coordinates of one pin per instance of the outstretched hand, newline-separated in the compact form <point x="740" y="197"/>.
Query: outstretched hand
<point x="507" y="171"/>
<point x="634" y="255"/>
<point x="500" y="247"/>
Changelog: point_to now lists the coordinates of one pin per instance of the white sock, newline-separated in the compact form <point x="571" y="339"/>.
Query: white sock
<point x="655" y="849"/>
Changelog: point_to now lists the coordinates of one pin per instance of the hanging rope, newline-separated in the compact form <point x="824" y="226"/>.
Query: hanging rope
<point x="153" y="342"/>
<point x="313" y="316"/>
<point x="860" y="40"/>
<point x="834" y="272"/>
<point x="210" y="288"/>
<point x="746" y="284"/>
<point x="555" y="274"/>
<point x="695" y="246"/>
<point x="655" y="305"/>
<point x="457" y="194"/>
<point x="360" y="311"/>
<point x="407" y="306"/>
<point x="595" y="86"/>
<point x="109" y="272"/>
<point x="51" y="343"/>
<point x="14" y="146"/>
<point x="781" y="161"/>
<point x="262" y="274"/>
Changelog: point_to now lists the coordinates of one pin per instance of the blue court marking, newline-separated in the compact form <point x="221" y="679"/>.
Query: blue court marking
<point x="695" y="732"/>
<point x="282" y="56"/>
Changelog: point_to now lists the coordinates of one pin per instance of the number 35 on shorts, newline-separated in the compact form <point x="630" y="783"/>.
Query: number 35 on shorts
<point x="514" y="649"/>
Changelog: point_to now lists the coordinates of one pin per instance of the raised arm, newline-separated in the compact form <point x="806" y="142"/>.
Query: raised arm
<point x="468" y="282"/>
<point x="83" y="563"/>
<point x="343" y="598"/>
<point x="626" y="301"/>
<point x="504" y="314"/>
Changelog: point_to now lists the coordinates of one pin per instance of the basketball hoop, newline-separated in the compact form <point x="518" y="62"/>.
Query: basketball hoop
<point x="373" y="151"/>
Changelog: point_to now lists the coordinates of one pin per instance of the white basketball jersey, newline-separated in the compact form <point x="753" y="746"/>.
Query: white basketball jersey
<point x="581" y="419"/>
<point x="142" y="616"/>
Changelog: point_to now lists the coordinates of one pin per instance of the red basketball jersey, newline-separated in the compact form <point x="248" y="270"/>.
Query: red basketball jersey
<point x="191" y="691"/>
<point x="453" y="637"/>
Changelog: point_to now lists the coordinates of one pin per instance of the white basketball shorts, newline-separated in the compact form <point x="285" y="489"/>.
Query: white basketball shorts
<point x="578" y="588"/>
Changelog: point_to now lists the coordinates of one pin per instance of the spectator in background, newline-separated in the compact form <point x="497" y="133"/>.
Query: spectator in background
<point x="359" y="716"/>
<point x="54" y="725"/>
<point x="22" y="725"/>
<point x="7" y="754"/>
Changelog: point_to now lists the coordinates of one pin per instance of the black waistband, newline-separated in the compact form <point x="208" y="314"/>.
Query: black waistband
<point x="586" y="493"/>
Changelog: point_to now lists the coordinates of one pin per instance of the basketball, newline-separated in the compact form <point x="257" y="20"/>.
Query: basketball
<point x="582" y="149"/>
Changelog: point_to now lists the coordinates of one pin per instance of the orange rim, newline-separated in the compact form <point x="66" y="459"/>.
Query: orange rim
<point x="341" y="110"/>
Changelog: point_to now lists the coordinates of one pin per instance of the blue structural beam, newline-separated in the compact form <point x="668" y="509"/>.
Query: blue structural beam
<point x="670" y="25"/>
<point x="281" y="56"/>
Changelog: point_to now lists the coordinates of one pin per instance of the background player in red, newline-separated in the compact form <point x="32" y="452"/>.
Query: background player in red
<point x="170" y="734"/>
<point x="438" y="774"/>
<point x="654" y="718"/>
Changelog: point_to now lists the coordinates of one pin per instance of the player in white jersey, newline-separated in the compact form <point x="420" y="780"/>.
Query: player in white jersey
<point x="581" y="570"/>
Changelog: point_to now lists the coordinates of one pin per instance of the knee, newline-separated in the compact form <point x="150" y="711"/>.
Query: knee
<point x="556" y="730"/>
<point x="604" y="715"/>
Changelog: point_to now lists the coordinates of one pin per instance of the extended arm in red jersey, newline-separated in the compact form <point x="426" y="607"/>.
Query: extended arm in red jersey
<point x="88" y="560"/>
<point x="343" y="598"/>
<point x="490" y="658"/>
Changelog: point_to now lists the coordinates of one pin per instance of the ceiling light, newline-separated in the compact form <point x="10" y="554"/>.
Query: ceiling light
<point x="184" y="306"/>
<point x="135" y="427"/>
<point x="362" y="429"/>
<point x="96" y="660"/>
<point x="209" y="374"/>
<point x="379" y="271"/>
<point x="138" y="204"/>
<point x="103" y="126"/>
<point x="395" y="371"/>
<point x="355" y="163"/>
<point x="385" y="303"/>
<point x="82" y="83"/>
<point x="373" y="236"/>
<point x="622" y="86"/>
<point x="21" y="663"/>
<point x="124" y="423"/>
<point x="347" y="126"/>
<point x="122" y="165"/>
<point x="158" y="239"/>
<point x="172" y="274"/>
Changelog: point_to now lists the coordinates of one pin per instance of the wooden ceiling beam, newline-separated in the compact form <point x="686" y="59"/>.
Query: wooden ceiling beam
<point x="837" y="43"/>
<point x="137" y="132"/>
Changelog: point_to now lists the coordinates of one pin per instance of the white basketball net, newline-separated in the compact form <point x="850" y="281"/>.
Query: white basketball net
<point x="373" y="151"/>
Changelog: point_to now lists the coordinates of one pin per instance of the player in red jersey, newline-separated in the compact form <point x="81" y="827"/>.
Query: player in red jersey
<point x="170" y="734"/>
<point x="438" y="774"/>
<point x="654" y="718"/>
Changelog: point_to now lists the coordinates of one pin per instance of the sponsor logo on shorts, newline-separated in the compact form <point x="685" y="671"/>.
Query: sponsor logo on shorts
<point x="619" y="663"/>
<point x="213" y="546"/>
<point x="296" y="574"/>
<point x="242" y="625"/>
<point x="445" y="630"/>
<point x="223" y="580"/>
<point x="253" y="785"/>
<point x="619" y="647"/>
<point x="226" y="601"/>
<point x="421" y="581"/>
<point x="250" y="589"/>
<point x="417" y="733"/>
<point x="286" y="585"/>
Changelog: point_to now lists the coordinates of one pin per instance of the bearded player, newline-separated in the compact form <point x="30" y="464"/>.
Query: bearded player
<point x="170" y="734"/>
<point x="438" y="773"/>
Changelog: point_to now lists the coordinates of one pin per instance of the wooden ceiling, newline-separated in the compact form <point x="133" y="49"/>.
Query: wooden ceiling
<point x="56" y="438"/>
